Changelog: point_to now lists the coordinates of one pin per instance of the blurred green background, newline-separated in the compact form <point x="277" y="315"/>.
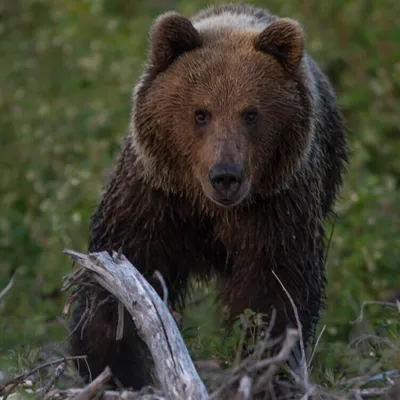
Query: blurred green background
<point x="67" y="69"/>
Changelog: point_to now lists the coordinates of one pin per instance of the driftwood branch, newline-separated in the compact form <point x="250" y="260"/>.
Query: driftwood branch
<point x="174" y="368"/>
<point x="97" y="389"/>
<point x="71" y="394"/>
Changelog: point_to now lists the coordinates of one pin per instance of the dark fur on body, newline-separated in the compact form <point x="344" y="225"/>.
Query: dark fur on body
<point x="157" y="208"/>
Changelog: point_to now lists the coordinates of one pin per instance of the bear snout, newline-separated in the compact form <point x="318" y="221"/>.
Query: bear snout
<point x="226" y="181"/>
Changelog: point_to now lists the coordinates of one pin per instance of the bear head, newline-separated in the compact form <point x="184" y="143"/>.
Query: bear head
<point x="222" y="113"/>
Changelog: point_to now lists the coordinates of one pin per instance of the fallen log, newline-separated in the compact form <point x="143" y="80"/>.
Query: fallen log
<point x="174" y="368"/>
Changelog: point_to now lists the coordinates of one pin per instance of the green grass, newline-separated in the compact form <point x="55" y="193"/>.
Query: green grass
<point x="67" y="70"/>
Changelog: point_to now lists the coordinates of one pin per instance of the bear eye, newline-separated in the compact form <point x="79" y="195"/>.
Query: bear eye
<point x="202" y="116"/>
<point x="250" y="116"/>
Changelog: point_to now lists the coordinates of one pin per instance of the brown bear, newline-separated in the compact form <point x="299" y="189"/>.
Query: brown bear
<point x="234" y="157"/>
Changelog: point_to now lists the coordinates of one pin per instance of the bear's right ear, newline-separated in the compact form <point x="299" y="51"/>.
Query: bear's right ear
<point x="171" y="36"/>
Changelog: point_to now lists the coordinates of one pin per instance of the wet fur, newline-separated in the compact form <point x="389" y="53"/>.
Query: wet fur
<point x="155" y="211"/>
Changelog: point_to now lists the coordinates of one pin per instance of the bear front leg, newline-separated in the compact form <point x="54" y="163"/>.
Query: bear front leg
<point x="95" y="336"/>
<point x="260" y="291"/>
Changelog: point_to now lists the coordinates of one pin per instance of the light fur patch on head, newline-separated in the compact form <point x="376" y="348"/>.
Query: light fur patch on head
<point x="230" y="20"/>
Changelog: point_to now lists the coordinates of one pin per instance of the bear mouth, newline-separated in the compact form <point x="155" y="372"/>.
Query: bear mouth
<point x="228" y="201"/>
<point x="225" y="202"/>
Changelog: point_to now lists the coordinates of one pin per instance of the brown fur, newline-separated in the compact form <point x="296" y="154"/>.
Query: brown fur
<point x="160" y="206"/>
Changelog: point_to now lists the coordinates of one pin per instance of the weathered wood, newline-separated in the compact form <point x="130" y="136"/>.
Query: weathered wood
<point x="95" y="389"/>
<point x="71" y="394"/>
<point x="174" y="368"/>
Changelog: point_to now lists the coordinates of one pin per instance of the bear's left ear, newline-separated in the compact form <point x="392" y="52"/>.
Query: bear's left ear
<point x="171" y="36"/>
<point x="283" y="39"/>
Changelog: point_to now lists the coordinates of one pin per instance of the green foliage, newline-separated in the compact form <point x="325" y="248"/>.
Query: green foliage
<point x="66" y="75"/>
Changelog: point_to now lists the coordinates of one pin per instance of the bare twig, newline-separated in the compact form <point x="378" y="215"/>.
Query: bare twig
<point x="96" y="388"/>
<point x="9" y="286"/>
<point x="359" y="339"/>
<point x="303" y="364"/>
<point x="57" y="373"/>
<point x="369" y="302"/>
<point x="276" y="362"/>
<point x="244" y="391"/>
<point x="370" y="392"/>
<point x="358" y="382"/>
<point x="9" y="390"/>
<point x="158" y="275"/>
<point x="19" y="378"/>
<point x="59" y="345"/>
<point x="262" y="344"/>
<point x="120" y="324"/>
<point x="243" y="333"/>
<point x="308" y="387"/>
<point x="316" y="345"/>
<point x="291" y="338"/>
<point x="67" y="306"/>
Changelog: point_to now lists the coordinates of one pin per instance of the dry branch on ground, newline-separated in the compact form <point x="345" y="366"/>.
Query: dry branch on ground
<point x="177" y="375"/>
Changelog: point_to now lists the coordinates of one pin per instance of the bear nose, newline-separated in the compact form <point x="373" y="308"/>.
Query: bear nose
<point x="226" y="179"/>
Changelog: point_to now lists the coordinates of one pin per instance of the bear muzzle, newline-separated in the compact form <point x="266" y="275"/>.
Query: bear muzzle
<point x="226" y="181"/>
